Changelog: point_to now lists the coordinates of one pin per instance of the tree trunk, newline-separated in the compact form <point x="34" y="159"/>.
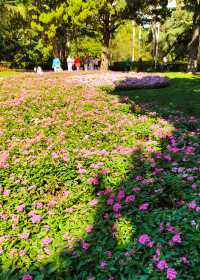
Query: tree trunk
<point x="133" y="40"/>
<point x="156" y="36"/>
<point x="105" y="51"/>
<point x="140" y="43"/>
<point x="194" y="44"/>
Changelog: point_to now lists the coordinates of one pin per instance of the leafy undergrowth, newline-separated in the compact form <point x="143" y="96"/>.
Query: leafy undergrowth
<point x="95" y="186"/>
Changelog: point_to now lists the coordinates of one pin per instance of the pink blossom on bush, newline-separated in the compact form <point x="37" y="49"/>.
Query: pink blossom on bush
<point x="103" y="265"/>
<point x="171" y="274"/>
<point x="144" y="206"/>
<point x="109" y="254"/>
<point x="121" y="195"/>
<point x="20" y="208"/>
<point x="162" y="265"/>
<point x="192" y="204"/>
<point x="117" y="207"/>
<point x="36" y="219"/>
<point x="130" y="198"/>
<point x="27" y="277"/>
<point x="94" y="202"/>
<point x="89" y="228"/>
<point x="144" y="239"/>
<point x="94" y="181"/>
<point x="136" y="190"/>
<point x="85" y="245"/>
<point x="46" y="241"/>
<point x="110" y="201"/>
<point x="176" y="239"/>
<point x="184" y="260"/>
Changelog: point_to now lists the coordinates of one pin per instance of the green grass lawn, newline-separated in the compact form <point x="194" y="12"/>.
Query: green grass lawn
<point x="8" y="74"/>
<point x="94" y="188"/>
<point x="183" y="94"/>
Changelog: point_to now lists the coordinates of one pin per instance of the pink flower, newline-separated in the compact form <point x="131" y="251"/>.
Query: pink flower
<point x="51" y="203"/>
<point x="109" y="254"/>
<point x="107" y="191"/>
<point x="94" y="181"/>
<point x="194" y="186"/>
<point x="85" y="245"/>
<point x="47" y="241"/>
<point x="104" y="171"/>
<point x="184" y="260"/>
<point x="192" y="204"/>
<point x="20" y="208"/>
<point x="150" y="244"/>
<point x="116" y="207"/>
<point x="89" y="228"/>
<point x="139" y="178"/>
<point x="38" y="204"/>
<point x="6" y="193"/>
<point x="130" y="198"/>
<point x="70" y="210"/>
<point x="136" y="190"/>
<point x="103" y="265"/>
<point x="121" y="195"/>
<point x="36" y="219"/>
<point x="1" y="250"/>
<point x="162" y="265"/>
<point x="110" y="201"/>
<point x="144" y="239"/>
<point x="171" y="273"/>
<point x="144" y="206"/>
<point x="176" y="239"/>
<point x="66" y="193"/>
<point x="4" y="156"/>
<point x="27" y="277"/>
<point x="24" y="235"/>
<point x="198" y="209"/>
<point x="31" y="213"/>
<point x="189" y="178"/>
<point x="94" y="202"/>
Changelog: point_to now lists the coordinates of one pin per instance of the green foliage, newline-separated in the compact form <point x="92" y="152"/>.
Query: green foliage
<point x="175" y="35"/>
<point x="66" y="150"/>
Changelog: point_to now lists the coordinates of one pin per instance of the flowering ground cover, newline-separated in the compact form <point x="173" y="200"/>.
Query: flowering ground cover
<point x="122" y="80"/>
<point x="99" y="184"/>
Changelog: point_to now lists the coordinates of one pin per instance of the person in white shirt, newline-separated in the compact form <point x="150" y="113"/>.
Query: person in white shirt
<point x="70" y="63"/>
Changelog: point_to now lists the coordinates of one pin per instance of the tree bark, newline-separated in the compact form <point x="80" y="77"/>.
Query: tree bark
<point x="105" y="57"/>
<point x="194" y="44"/>
<point x="133" y="40"/>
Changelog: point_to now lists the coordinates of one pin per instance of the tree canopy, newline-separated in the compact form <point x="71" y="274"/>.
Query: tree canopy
<point x="32" y="32"/>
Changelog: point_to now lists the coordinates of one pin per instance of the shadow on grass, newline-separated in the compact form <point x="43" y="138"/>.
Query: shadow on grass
<point x="152" y="193"/>
<point x="183" y="94"/>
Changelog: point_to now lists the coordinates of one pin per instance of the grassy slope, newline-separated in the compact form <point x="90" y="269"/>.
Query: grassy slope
<point x="183" y="94"/>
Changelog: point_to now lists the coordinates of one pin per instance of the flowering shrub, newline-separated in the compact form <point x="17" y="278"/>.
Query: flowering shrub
<point x="123" y="80"/>
<point x="91" y="190"/>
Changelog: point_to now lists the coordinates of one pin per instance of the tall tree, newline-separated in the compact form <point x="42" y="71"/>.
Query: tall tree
<point x="194" y="5"/>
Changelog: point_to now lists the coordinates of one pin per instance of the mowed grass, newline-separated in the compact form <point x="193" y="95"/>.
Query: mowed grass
<point x="7" y="74"/>
<point x="183" y="94"/>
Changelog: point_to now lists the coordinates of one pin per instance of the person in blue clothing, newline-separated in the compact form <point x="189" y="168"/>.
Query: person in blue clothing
<point x="56" y="65"/>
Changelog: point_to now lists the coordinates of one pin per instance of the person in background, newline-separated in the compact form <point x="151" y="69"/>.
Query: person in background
<point x="165" y="62"/>
<point x="77" y="62"/>
<point x="56" y="65"/>
<point x="96" y="63"/>
<point x="70" y="63"/>
<point x="91" y="63"/>
<point x="86" y="63"/>
<point x="38" y="70"/>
